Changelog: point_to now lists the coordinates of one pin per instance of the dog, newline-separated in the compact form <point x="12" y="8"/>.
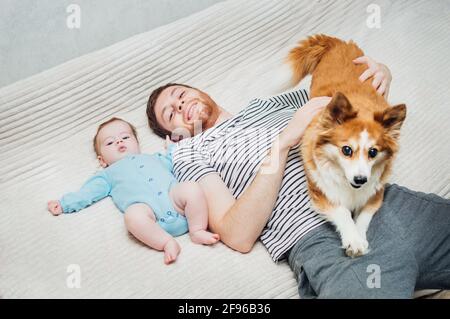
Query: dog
<point x="349" y="147"/>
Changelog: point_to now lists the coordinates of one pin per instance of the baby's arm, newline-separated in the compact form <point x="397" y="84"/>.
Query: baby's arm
<point x="189" y="199"/>
<point x="95" y="189"/>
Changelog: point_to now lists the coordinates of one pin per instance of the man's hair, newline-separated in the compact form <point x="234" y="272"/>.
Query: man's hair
<point x="151" y="115"/>
<point x="114" y="119"/>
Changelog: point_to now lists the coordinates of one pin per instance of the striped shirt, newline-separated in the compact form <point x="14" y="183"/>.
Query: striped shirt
<point x="235" y="148"/>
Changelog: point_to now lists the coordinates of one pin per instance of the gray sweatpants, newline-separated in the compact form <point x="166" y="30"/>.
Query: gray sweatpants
<point x="409" y="242"/>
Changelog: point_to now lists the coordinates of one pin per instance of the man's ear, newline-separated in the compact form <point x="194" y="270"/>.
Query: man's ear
<point x="101" y="161"/>
<point x="392" y="119"/>
<point x="338" y="111"/>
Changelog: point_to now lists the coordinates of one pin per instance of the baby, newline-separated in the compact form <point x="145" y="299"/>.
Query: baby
<point x="143" y="187"/>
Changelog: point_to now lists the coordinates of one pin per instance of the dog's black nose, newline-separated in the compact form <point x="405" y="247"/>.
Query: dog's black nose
<point x="359" y="180"/>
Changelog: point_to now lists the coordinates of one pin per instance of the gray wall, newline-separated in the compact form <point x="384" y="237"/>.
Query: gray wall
<point x="34" y="35"/>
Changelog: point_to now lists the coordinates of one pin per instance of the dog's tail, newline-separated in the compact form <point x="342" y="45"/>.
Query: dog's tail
<point x="304" y="58"/>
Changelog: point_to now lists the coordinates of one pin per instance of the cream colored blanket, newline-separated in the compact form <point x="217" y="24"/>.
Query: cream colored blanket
<point x="231" y="51"/>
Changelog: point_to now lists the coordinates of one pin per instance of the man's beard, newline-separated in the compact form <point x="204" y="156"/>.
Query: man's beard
<point x="207" y="116"/>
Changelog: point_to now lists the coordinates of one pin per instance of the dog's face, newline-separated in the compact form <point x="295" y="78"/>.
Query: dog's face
<point x="359" y="148"/>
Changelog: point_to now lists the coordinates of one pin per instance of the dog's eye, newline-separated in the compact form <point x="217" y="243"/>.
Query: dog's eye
<point x="347" y="151"/>
<point x="373" y="152"/>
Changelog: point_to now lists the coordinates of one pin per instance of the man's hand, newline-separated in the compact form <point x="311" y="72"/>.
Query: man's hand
<point x="381" y="75"/>
<point x="54" y="207"/>
<point x="293" y="132"/>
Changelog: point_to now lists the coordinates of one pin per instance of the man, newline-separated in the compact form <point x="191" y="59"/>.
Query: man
<point x="251" y="171"/>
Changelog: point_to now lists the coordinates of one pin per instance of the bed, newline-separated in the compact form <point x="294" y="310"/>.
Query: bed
<point x="229" y="50"/>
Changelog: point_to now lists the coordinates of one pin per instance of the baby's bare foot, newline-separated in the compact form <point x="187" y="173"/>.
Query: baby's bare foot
<point x="204" y="237"/>
<point x="171" y="251"/>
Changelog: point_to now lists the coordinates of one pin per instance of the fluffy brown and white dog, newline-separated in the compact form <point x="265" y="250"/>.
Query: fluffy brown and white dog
<point x="348" y="148"/>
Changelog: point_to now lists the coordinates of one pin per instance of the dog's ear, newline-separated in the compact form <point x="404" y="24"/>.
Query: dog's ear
<point x="338" y="110"/>
<point x="392" y="119"/>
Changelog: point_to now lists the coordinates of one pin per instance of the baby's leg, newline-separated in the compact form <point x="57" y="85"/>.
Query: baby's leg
<point x="188" y="198"/>
<point x="141" y="222"/>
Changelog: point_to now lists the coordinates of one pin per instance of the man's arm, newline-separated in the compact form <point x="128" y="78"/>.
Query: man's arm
<point x="240" y="222"/>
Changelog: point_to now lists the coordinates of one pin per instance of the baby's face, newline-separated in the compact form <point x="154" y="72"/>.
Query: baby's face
<point x="115" y="141"/>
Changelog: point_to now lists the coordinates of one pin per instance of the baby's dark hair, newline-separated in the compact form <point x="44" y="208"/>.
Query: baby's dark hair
<point x="133" y="129"/>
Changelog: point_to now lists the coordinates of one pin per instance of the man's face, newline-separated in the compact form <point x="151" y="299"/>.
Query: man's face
<point x="180" y="109"/>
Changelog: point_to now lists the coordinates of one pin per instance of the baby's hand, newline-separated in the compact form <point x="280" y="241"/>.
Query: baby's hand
<point x="54" y="207"/>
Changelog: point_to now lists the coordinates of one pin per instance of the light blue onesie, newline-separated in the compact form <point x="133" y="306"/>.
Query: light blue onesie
<point x="139" y="178"/>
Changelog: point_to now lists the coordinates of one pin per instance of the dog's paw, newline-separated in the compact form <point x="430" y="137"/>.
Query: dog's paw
<point x="355" y="245"/>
